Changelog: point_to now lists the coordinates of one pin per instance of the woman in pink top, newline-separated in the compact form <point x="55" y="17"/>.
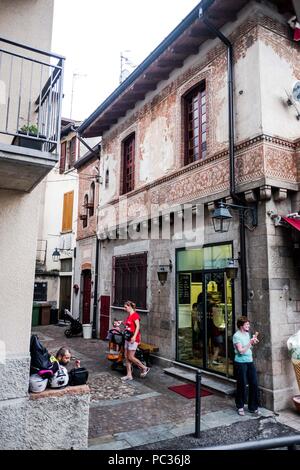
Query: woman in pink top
<point x="132" y="323"/>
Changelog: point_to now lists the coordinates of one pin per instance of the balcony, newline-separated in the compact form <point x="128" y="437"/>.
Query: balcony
<point x="30" y="114"/>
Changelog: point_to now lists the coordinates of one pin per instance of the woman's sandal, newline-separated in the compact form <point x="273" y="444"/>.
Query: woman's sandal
<point x="241" y="412"/>
<point x="126" y="378"/>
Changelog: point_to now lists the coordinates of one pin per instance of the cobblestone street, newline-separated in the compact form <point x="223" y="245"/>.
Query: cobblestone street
<point x="157" y="413"/>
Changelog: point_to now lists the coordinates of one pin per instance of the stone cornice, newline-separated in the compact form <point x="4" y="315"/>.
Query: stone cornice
<point x="265" y="138"/>
<point x="86" y="237"/>
<point x="239" y="148"/>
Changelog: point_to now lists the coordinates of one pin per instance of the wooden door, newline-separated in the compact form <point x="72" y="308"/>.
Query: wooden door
<point x="104" y="315"/>
<point x="64" y="294"/>
<point x="86" y="300"/>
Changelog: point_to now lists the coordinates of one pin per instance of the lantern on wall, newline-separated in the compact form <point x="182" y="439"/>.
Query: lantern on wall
<point x="162" y="272"/>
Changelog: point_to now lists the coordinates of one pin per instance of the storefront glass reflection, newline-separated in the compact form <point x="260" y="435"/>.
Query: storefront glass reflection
<point x="204" y="307"/>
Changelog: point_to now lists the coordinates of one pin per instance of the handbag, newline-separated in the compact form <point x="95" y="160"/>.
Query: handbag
<point x="128" y="335"/>
<point x="78" y="376"/>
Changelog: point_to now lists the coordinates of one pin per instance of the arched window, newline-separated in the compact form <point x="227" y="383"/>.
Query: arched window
<point x="107" y="178"/>
<point x="92" y="199"/>
<point x="86" y="210"/>
<point x="128" y="150"/>
<point x="195" y="124"/>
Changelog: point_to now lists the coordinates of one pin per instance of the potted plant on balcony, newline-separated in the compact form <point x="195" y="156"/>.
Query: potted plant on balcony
<point x="29" y="131"/>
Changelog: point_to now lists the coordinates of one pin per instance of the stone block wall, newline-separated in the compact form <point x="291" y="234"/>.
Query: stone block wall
<point x="58" y="419"/>
<point x="54" y="419"/>
<point x="13" y="424"/>
<point x="273" y="281"/>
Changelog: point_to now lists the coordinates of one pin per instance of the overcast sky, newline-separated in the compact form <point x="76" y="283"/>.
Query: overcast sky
<point x="91" y="34"/>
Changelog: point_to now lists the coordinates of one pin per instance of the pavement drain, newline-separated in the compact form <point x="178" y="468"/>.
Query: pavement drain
<point x="108" y="387"/>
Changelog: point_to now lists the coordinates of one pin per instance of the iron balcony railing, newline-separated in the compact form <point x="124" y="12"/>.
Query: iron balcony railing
<point x="31" y="82"/>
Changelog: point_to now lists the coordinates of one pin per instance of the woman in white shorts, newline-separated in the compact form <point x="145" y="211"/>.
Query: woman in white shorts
<point x="132" y="323"/>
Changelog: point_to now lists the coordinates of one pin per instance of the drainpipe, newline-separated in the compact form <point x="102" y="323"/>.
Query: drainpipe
<point x="95" y="305"/>
<point x="234" y="196"/>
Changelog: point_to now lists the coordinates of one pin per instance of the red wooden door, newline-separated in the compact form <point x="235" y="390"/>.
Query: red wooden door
<point x="86" y="301"/>
<point x="104" y="315"/>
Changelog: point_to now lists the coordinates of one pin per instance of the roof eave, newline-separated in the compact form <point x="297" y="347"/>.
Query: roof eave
<point x="190" y="18"/>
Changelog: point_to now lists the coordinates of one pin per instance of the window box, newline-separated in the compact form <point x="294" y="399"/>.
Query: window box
<point x="27" y="142"/>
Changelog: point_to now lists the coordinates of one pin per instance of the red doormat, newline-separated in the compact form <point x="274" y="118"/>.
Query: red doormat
<point x="189" y="390"/>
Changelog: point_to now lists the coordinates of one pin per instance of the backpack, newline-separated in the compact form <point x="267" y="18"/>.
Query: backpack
<point x="78" y="376"/>
<point x="40" y="357"/>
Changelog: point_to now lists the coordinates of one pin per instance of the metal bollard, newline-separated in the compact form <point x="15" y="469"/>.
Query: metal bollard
<point x="198" y="403"/>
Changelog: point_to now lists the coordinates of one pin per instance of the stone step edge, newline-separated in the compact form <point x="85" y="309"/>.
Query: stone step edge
<point x="206" y="373"/>
<point x="209" y="382"/>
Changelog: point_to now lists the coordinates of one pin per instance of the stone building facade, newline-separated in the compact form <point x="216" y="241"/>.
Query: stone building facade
<point x="86" y="243"/>
<point x="58" y="225"/>
<point x="140" y="225"/>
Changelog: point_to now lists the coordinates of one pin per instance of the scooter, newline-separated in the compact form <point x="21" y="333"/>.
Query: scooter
<point x="75" y="325"/>
<point x="116" y="352"/>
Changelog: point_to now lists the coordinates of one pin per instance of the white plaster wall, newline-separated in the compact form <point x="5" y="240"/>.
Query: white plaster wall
<point x="108" y="162"/>
<point x="247" y="97"/>
<point x="18" y="240"/>
<point x="277" y="118"/>
<point x="52" y="286"/>
<point x="56" y="185"/>
<point x="27" y="21"/>
<point x="158" y="145"/>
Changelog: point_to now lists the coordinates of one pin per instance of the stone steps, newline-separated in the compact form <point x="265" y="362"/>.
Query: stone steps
<point x="221" y="385"/>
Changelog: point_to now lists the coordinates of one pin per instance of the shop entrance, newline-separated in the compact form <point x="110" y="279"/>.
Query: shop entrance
<point x="205" y="317"/>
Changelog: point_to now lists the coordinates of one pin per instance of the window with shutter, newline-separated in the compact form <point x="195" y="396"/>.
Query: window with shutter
<point x="63" y="153"/>
<point x="86" y="211"/>
<point x="107" y="178"/>
<point x="67" y="212"/>
<point x="195" y="124"/>
<point x="73" y="152"/>
<point x="128" y="163"/>
<point x="130" y="279"/>
<point x="92" y="200"/>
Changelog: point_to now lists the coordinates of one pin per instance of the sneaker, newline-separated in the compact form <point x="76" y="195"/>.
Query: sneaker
<point x="126" y="378"/>
<point x="241" y="412"/>
<point x="255" y="412"/>
<point x="143" y="374"/>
